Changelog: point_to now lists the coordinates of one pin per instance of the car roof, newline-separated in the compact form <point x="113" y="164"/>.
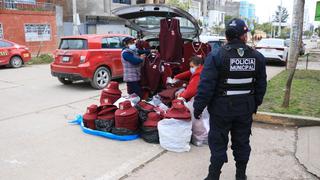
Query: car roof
<point x="89" y="36"/>
<point x="273" y="39"/>
<point x="208" y="38"/>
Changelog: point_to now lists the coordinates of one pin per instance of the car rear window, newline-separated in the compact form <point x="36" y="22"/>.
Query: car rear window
<point x="73" y="44"/>
<point x="5" y="44"/>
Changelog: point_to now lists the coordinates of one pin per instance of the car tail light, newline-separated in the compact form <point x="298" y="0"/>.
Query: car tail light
<point x="82" y="59"/>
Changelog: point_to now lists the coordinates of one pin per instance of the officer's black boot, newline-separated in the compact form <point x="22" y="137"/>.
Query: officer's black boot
<point x="214" y="171"/>
<point x="241" y="170"/>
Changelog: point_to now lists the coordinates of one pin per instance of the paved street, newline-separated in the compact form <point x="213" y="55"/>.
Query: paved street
<point x="37" y="142"/>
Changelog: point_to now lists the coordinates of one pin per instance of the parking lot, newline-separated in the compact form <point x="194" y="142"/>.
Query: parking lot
<point x="38" y="143"/>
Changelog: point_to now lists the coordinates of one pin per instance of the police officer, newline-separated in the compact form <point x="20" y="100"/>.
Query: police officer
<point x="233" y="84"/>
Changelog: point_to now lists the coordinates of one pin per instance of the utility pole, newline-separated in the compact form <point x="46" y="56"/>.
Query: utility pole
<point x="74" y="12"/>
<point x="280" y="19"/>
<point x="295" y="42"/>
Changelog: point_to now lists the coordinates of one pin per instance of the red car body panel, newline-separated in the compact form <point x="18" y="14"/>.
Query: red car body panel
<point x="95" y="57"/>
<point x="14" y="49"/>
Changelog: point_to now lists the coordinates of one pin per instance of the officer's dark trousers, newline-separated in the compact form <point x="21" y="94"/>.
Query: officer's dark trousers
<point x="240" y="129"/>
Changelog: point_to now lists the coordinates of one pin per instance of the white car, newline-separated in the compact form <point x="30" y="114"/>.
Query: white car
<point x="274" y="50"/>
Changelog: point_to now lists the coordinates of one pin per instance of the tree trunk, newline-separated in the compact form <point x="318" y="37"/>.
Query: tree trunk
<point x="295" y="42"/>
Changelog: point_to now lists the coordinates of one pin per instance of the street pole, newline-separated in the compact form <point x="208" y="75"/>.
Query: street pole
<point x="74" y="13"/>
<point x="280" y="19"/>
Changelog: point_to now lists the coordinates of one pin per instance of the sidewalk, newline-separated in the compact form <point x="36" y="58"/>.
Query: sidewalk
<point x="273" y="149"/>
<point x="308" y="149"/>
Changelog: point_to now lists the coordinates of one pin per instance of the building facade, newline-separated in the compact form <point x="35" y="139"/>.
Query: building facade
<point x="95" y="17"/>
<point x="232" y="8"/>
<point x="30" y="22"/>
<point x="216" y="13"/>
<point x="247" y="10"/>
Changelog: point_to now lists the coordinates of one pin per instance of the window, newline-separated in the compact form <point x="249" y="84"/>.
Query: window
<point x="141" y="1"/>
<point x="1" y="31"/>
<point x="73" y="44"/>
<point x="37" y="32"/>
<point x="26" y="1"/>
<point x="5" y="44"/>
<point x="122" y="1"/>
<point x="111" y="43"/>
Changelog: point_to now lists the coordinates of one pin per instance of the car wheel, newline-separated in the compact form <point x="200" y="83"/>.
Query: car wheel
<point x="101" y="78"/>
<point x="65" y="81"/>
<point x="16" y="62"/>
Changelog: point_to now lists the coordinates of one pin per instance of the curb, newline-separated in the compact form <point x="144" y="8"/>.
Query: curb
<point x="285" y="119"/>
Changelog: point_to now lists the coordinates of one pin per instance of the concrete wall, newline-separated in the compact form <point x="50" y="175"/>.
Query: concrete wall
<point x="95" y="17"/>
<point x="59" y="22"/>
<point x="90" y="8"/>
<point x="232" y="9"/>
<point x="13" y="26"/>
<point x="216" y="18"/>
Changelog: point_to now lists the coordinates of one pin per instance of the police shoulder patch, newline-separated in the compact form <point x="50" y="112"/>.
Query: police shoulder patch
<point x="240" y="52"/>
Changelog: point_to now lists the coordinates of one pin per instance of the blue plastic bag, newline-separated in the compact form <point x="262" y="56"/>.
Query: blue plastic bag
<point x="79" y="121"/>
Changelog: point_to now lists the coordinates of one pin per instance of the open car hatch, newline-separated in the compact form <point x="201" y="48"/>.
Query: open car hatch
<point x="145" y="18"/>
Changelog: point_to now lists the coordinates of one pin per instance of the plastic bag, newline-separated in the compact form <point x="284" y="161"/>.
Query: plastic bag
<point x="200" y="127"/>
<point x="171" y="81"/>
<point x="134" y="100"/>
<point x="150" y="134"/>
<point x="175" y="135"/>
<point x="155" y="100"/>
<point x="79" y="121"/>
<point x="103" y="125"/>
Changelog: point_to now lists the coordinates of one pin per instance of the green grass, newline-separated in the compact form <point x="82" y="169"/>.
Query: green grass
<point x="305" y="94"/>
<point x="42" y="59"/>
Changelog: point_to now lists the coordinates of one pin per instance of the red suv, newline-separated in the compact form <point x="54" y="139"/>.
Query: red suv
<point x="13" y="54"/>
<point x="94" y="58"/>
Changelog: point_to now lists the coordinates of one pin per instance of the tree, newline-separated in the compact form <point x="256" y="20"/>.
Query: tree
<point x="295" y="41"/>
<point x="183" y="5"/>
<point x="227" y="19"/>
<point x="265" y="27"/>
<point x="281" y="16"/>
<point x="285" y="34"/>
<point x="284" y="15"/>
<point x="307" y="33"/>
<point x="217" y="30"/>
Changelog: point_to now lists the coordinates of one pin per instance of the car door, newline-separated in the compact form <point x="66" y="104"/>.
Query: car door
<point x="5" y="52"/>
<point x="112" y="51"/>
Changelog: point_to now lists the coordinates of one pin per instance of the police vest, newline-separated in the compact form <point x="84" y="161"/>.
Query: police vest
<point x="237" y="73"/>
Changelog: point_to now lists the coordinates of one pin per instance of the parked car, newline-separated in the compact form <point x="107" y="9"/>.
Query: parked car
<point x="314" y="38"/>
<point x="302" y="46"/>
<point x="93" y="58"/>
<point x="274" y="50"/>
<point x="13" y="54"/>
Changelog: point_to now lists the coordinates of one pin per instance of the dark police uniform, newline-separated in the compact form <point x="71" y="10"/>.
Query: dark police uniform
<point x="233" y="84"/>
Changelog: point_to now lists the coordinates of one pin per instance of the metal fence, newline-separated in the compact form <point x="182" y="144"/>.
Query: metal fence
<point x="14" y="5"/>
